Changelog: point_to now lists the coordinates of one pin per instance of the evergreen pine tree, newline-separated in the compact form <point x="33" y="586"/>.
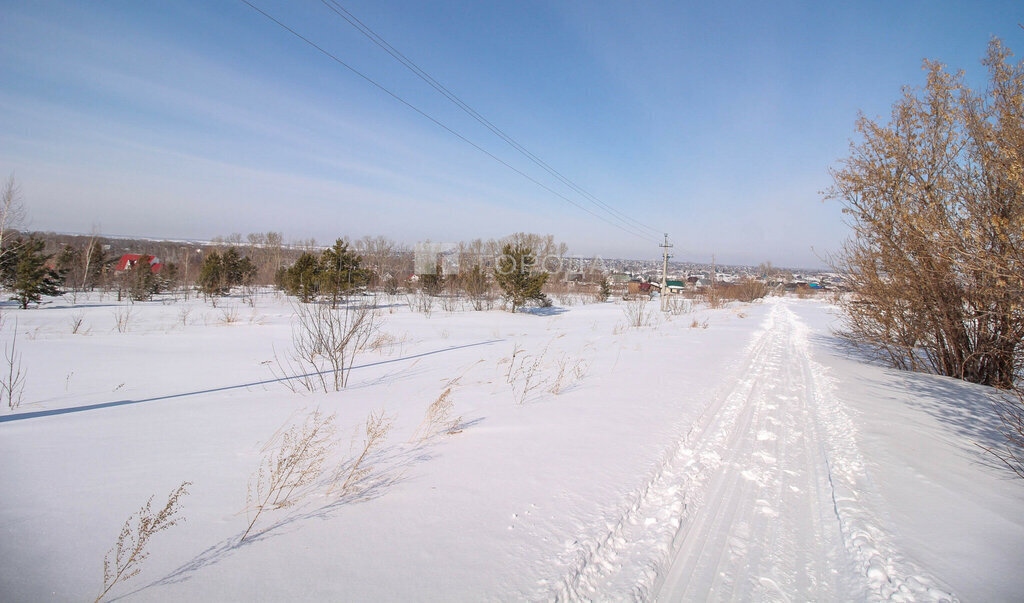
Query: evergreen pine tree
<point x="303" y="277"/>
<point x="211" y="275"/>
<point x="26" y="272"/>
<point x="143" y="283"/>
<point x="339" y="271"/>
<point x="514" y="274"/>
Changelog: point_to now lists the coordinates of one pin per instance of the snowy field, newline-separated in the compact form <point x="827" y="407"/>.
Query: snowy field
<point x="736" y="453"/>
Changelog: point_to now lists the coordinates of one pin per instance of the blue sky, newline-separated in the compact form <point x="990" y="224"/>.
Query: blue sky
<point x="713" y="121"/>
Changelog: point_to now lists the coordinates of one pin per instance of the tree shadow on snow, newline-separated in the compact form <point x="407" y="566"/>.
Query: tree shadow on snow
<point x="549" y="311"/>
<point x="74" y="409"/>
<point x="969" y="411"/>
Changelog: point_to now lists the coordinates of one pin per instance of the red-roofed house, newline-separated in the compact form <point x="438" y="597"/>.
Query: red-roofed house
<point x="129" y="260"/>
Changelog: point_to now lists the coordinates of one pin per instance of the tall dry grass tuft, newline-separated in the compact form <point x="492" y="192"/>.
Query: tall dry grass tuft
<point x="376" y="430"/>
<point x="569" y="371"/>
<point x="438" y="417"/>
<point x="122" y="561"/>
<point x="290" y="467"/>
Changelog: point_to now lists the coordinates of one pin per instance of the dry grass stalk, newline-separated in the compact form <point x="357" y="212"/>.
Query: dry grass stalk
<point x="286" y="471"/>
<point x="570" y="372"/>
<point x="376" y="430"/>
<point x="527" y="376"/>
<point x="516" y="350"/>
<point x="438" y="417"/>
<point x="122" y="561"/>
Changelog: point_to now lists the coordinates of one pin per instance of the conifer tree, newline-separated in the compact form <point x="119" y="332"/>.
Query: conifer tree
<point x="143" y="283"/>
<point x="302" y="278"/>
<point x="516" y="276"/>
<point x="339" y="271"/>
<point x="211" y="275"/>
<point x="26" y="272"/>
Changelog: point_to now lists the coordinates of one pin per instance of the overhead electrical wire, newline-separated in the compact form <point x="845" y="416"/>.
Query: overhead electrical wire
<point x="438" y="123"/>
<point x="377" y="39"/>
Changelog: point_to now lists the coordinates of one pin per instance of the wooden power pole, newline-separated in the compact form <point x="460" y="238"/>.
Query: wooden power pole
<point x="664" y="275"/>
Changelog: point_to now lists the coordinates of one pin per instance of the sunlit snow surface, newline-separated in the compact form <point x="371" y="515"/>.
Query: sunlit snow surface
<point x="757" y="458"/>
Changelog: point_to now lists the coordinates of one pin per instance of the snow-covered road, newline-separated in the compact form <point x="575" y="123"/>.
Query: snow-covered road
<point x="761" y="500"/>
<point x="765" y="524"/>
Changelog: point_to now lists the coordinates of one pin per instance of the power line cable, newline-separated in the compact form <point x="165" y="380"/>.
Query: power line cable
<point x="440" y="124"/>
<point x="377" y="39"/>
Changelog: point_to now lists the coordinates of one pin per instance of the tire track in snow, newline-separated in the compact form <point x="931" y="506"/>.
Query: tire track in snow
<point x="765" y="532"/>
<point x="759" y="500"/>
<point x="889" y="576"/>
<point x="626" y="561"/>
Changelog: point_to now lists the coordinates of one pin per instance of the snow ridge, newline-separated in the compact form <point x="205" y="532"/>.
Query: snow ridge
<point x="630" y="556"/>
<point x="890" y="577"/>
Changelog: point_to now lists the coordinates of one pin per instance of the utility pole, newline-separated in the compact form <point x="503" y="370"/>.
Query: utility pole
<point x="664" y="275"/>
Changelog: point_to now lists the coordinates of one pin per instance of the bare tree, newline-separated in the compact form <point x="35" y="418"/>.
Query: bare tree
<point x="12" y="210"/>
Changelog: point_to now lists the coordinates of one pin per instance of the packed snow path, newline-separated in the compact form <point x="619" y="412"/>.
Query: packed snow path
<point x="761" y="500"/>
<point x="766" y="525"/>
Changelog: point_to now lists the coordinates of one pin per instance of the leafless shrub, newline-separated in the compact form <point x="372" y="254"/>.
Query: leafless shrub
<point x="421" y="302"/>
<point x="636" y="312"/>
<point x="935" y="201"/>
<point x="12" y="388"/>
<point x="376" y="430"/>
<point x="122" y="561"/>
<point x="712" y="297"/>
<point x="294" y="462"/>
<point x="451" y="302"/>
<point x="438" y="417"/>
<point x="1011" y="413"/>
<point x="677" y="306"/>
<point x="325" y="343"/>
<point x="122" y="318"/>
<point x="747" y="290"/>
<point x="228" y="315"/>
<point x="695" y="324"/>
<point x="76" y="322"/>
